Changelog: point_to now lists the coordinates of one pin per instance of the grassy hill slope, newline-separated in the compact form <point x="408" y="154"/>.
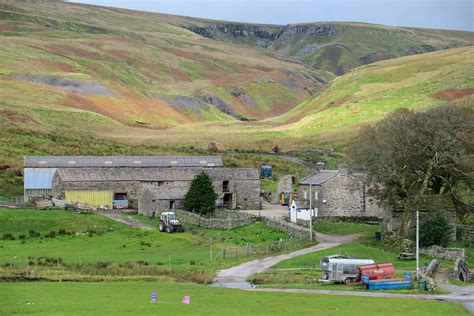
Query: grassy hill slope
<point x="368" y="93"/>
<point x="136" y="68"/>
<point x="335" y="46"/>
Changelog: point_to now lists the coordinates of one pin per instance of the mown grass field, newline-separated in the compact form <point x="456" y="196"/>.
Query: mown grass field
<point x="134" y="298"/>
<point x="93" y="241"/>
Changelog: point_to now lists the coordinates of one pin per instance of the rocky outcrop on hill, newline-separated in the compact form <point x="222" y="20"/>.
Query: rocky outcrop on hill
<point x="264" y="36"/>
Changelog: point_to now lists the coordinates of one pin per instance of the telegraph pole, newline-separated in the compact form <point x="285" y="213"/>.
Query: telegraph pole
<point x="310" y="213"/>
<point x="417" y="245"/>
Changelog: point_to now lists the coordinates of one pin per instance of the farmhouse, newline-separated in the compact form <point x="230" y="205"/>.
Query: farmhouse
<point x="338" y="193"/>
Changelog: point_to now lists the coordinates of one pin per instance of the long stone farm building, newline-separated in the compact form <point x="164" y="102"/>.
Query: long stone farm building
<point x="115" y="180"/>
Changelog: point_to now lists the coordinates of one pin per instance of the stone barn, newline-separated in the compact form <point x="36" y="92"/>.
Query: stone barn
<point x="236" y="187"/>
<point x="339" y="193"/>
<point x="39" y="170"/>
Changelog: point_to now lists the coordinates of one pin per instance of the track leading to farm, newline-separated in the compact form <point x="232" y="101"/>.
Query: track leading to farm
<point x="235" y="276"/>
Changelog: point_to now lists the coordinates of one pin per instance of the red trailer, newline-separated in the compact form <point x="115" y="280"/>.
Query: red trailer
<point x="376" y="271"/>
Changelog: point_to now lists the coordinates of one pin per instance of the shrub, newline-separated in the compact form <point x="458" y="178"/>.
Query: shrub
<point x="8" y="236"/>
<point x="34" y="234"/>
<point x="435" y="231"/>
<point x="51" y="234"/>
<point x="62" y="232"/>
<point x="22" y="236"/>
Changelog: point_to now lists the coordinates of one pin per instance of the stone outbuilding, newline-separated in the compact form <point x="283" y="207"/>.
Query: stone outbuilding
<point x="154" y="201"/>
<point x="236" y="187"/>
<point x="339" y="193"/>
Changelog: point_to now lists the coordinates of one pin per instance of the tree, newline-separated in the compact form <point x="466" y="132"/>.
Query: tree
<point x="435" y="231"/>
<point x="200" y="197"/>
<point x="411" y="154"/>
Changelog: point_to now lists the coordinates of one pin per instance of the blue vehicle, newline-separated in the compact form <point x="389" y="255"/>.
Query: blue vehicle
<point x="266" y="172"/>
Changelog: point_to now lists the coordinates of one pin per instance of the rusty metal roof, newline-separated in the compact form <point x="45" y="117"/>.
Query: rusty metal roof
<point x="121" y="161"/>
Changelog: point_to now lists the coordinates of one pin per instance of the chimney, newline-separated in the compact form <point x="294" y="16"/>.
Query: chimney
<point x="320" y="166"/>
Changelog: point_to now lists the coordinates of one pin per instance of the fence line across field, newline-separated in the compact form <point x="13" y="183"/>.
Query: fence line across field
<point x="215" y="253"/>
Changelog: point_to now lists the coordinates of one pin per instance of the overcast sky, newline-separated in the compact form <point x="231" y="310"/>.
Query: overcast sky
<point x="442" y="14"/>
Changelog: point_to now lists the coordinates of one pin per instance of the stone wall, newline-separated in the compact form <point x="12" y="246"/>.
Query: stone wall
<point x="343" y="196"/>
<point x="392" y="220"/>
<point x="466" y="233"/>
<point x="443" y="253"/>
<point x="289" y="228"/>
<point x="221" y="220"/>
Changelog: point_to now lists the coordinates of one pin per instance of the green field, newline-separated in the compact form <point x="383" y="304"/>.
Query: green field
<point x="345" y="228"/>
<point x="89" y="244"/>
<point x="134" y="298"/>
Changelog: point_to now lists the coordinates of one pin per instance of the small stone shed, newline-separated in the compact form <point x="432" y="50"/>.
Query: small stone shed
<point x="339" y="193"/>
<point x="236" y="187"/>
<point x="428" y="206"/>
<point x="154" y="201"/>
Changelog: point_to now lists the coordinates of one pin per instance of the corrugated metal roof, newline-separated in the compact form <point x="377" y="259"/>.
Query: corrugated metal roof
<point x="154" y="174"/>
<point x="121" y="161"/>
<point x="168" y="193"/>
<point x="319" y="178"/>
<point x="38" y="178"/>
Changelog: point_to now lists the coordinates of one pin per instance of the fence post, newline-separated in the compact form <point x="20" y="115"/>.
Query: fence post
<point x="223" y="253"/>
<point x="248" y="249"/>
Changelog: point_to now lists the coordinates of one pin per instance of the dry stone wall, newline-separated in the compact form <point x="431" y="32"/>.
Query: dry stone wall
<point x="466" y="233"/>
<point x="221" y="220"/>
<point x="289" y="228"/>
<point x="444" y="253"/>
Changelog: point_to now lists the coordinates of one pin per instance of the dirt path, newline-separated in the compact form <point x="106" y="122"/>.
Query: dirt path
<point x="243" y="271"/>
<point x="124" y="219"/>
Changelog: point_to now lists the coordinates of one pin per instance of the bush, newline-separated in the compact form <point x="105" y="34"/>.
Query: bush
<point x="435" y="231"/>
<point x="8" y="236"/>
<point x="51" y="234"/>
<point x="62" y="232"/>
<point x="34" y="234"/>
<point x="201" y="197"/>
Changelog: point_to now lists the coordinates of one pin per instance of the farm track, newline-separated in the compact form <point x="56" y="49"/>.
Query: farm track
<point x="124" y="219"/>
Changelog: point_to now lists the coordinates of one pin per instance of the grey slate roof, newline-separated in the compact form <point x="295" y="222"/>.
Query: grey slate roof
<point x="168" y="193"/>
<point x="319" y="177"/>
<point x="121" y="161"/>
<point x="153" y="174"/>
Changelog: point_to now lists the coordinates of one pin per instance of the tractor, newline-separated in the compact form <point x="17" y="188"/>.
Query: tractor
<point x="169" y="223"/>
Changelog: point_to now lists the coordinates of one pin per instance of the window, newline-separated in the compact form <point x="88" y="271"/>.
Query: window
<point x="225" y="186"/>
<point x="171" y="204"/>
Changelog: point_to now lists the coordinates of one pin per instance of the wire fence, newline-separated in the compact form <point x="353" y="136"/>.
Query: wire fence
<point x="256" y="249"/>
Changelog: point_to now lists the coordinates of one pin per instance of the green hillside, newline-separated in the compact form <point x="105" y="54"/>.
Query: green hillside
<point x="335" y="46"/>
<point x="368" y="93"/>
<point x="136" y="68"/>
